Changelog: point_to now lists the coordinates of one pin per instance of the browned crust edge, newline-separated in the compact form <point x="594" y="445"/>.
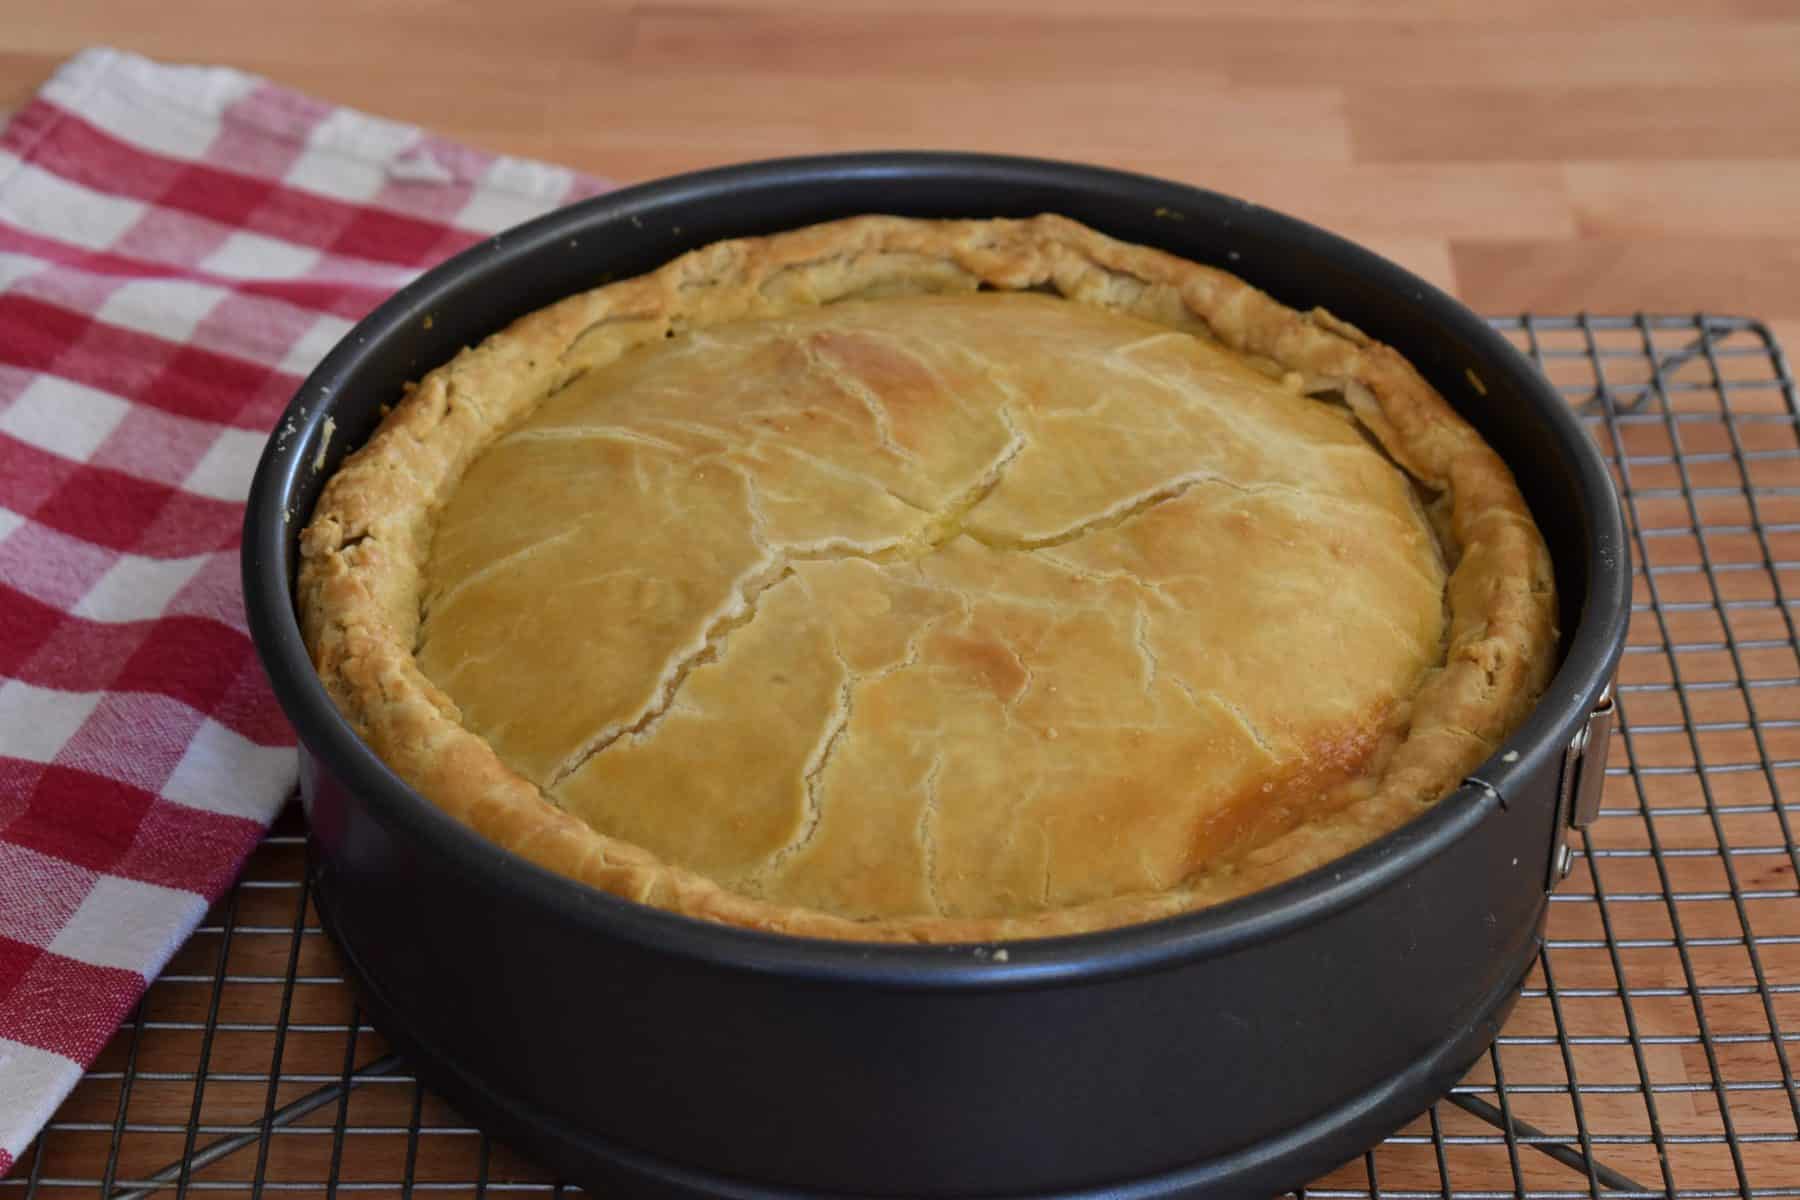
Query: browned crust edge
<point x="363" y="552"/>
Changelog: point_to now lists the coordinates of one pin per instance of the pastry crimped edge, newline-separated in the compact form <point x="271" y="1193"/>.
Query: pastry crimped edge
<point x="363" y="553"/>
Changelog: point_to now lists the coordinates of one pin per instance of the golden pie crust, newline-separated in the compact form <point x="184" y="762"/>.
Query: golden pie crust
<point x="928" y="581"/>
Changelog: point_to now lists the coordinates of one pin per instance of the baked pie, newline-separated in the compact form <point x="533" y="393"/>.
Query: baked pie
<point x="928" y="581"/>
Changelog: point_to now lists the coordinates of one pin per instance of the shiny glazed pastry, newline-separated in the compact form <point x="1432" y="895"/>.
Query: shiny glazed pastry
<point x="929" y="581"/>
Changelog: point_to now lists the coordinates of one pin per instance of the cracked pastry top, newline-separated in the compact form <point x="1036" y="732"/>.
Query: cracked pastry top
<point x="934" y="581"/>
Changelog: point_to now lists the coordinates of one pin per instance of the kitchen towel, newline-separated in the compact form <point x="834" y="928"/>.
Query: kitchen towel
<point x="178" y="247"/>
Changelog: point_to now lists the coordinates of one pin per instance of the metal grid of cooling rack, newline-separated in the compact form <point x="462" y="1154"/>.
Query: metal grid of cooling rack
<point x="1649" y="1055"/>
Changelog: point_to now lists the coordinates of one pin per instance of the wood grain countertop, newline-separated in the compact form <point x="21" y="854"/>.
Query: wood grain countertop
<point x="1541" y="154"/>
<point x="1538" y="155"/>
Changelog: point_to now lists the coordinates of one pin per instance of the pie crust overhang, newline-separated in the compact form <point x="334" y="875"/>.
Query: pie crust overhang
<point x="932" y="581"/>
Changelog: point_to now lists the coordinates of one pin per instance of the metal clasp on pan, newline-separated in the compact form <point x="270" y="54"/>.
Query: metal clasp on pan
<point x="1584" y="776"/>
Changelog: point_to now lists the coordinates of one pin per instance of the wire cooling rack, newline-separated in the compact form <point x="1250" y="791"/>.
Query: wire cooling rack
<point x="1649" y="1055"/>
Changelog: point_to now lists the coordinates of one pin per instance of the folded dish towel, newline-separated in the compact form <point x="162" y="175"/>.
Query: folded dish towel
<point x="178" y="247"/>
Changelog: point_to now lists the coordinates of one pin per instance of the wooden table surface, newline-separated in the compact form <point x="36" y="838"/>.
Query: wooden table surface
<point x="1534" y="155"/>
<point x="1541" y="154"/>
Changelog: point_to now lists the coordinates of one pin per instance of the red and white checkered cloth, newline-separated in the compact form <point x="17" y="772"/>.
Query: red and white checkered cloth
<point x="178" y="246"/>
